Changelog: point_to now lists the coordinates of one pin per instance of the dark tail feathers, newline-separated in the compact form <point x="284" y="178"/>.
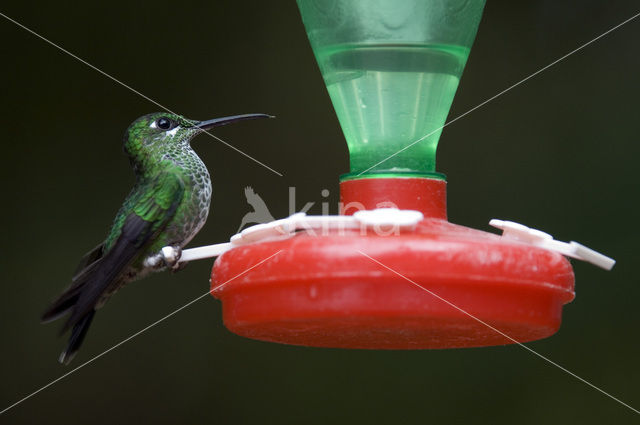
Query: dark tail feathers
<point x="78" y="333"/>
<point x="63" y="305"/>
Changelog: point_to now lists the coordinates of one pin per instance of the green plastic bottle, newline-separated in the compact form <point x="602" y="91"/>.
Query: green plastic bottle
<point x="391" y="68"/>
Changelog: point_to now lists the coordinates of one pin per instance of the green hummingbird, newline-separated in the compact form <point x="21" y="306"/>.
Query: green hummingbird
<point x="167" y="206"/>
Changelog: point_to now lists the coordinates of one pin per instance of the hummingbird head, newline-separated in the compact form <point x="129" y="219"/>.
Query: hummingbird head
<point x="157" y="131"/>
<point x="155" y="135"/>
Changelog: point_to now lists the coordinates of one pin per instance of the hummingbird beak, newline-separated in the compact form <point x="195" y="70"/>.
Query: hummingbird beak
<point x="217" y="122"/>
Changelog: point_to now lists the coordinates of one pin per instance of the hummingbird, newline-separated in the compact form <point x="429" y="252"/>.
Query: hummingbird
<point x="166" y="208"/>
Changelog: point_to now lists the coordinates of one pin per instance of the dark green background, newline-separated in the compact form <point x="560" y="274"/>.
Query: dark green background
<point x="558" y="153"/>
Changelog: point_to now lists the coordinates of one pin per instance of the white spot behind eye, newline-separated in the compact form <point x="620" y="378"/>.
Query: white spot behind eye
<point x="153" y="125"/>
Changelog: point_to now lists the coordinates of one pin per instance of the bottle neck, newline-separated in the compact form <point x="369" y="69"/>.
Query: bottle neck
<point x="429" y="196"/>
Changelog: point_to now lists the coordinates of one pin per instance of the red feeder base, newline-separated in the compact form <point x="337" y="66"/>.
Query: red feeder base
<point x="440" y="286"/>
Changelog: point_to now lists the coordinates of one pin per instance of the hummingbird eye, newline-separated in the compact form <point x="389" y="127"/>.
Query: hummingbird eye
<point x="164" y="123"/>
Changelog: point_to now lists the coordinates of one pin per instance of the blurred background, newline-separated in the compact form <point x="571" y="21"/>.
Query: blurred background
<point x="558" y="153"/>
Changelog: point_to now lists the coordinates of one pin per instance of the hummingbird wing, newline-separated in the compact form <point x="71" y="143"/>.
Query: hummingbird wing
<point x="88" y="260"/>
<point x="150" y="209"/>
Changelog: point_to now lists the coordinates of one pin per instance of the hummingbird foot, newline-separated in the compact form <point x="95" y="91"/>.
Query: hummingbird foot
<point x="169" y="257"/>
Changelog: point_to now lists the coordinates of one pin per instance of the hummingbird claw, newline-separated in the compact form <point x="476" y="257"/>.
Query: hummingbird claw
<point x="170" y="256"/>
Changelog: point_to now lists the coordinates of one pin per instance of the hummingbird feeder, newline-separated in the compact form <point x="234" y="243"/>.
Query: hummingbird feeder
<point x="401" y="277"/>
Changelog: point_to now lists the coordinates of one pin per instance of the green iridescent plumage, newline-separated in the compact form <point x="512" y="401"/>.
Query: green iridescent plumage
<point x="167" y="206"/>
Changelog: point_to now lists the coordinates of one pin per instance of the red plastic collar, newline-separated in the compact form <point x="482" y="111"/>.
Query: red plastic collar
<point x="429" y="196"/>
